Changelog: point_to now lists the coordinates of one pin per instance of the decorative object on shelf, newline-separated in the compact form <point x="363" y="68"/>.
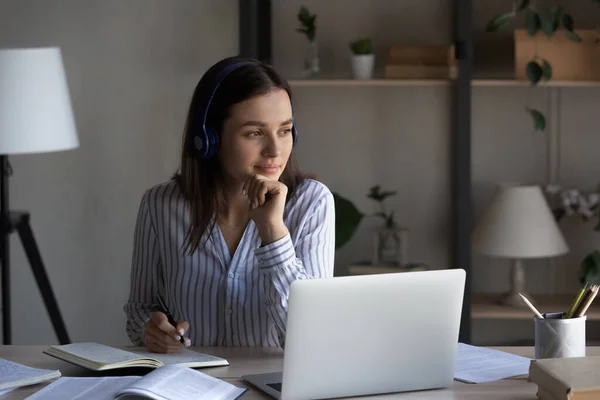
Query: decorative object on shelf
<point x="550" y="56"/>
<point x="573" y="202"/>
<point x="421" y="62"/>
<point x="309" y="28"/>
<point x="363" y="59"/>
<point x="390" y="243"/>
<point x="518" y="224"/>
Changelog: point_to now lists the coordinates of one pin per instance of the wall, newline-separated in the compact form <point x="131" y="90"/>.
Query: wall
<point x="131" y="67"/>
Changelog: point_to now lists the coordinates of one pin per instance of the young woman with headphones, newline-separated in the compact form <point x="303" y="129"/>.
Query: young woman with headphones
<point x="223" y="240"/>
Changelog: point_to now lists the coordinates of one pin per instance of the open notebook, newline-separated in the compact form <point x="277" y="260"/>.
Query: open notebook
<point x="171" y="382"/>
<point x="99" y="357"/>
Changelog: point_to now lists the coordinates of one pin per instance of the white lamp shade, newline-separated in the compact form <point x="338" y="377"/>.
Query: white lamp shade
<point x="519" y="224"/>
<point x="35" y="106"/>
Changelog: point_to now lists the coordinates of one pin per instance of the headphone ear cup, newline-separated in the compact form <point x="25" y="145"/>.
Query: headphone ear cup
<point x="211" y="145"/>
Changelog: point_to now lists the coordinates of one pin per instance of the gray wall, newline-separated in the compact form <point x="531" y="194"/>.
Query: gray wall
<point x="132" y="66"/>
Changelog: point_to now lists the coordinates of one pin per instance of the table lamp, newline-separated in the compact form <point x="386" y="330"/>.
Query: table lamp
<point x="35" y="117"/>
<point x="518" y="224"/>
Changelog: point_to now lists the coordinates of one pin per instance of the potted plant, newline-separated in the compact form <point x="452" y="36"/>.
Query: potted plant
<point x="363" y="59"/>
<point x="308" y="27"/>
<point x="390" y="240"/>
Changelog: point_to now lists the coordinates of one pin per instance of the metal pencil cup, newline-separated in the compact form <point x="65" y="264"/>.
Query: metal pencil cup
<point x="556" y="337"/>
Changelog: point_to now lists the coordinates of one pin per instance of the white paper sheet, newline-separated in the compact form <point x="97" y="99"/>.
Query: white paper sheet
<point x="478" y="364"/>
<point x="13" y="374"/>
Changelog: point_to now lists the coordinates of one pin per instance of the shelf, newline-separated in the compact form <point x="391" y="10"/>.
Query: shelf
<point x="486" y="306"/>
<point x="512" y="82"/>
<point x="370" y="82"/>
<point x="325" y="82"/>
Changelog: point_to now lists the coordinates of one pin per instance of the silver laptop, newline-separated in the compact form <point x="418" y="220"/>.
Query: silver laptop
<point x="362" y="335"/>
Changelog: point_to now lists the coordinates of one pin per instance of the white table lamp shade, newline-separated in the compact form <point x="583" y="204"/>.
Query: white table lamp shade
<point x="35" y="106"/>
<point x="519" y="224"/>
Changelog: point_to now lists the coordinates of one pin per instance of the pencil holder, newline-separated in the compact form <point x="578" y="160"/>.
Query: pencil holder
<point x="556" y="337"/>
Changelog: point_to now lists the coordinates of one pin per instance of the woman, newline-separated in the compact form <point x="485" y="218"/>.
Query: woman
<point x="225" y="238"/>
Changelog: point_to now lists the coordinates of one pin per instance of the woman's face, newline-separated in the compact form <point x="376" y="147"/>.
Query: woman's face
<point x="257" y="137"/>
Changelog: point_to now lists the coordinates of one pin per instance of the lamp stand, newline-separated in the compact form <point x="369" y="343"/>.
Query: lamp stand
<point x="517" y="285"/>
<point x="19" y="221"/>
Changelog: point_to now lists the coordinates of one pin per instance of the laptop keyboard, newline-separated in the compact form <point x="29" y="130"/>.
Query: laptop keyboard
<point x="276" y="386"/>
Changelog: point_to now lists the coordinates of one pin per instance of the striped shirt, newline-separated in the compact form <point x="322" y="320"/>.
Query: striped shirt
<point x="228" y="300"/>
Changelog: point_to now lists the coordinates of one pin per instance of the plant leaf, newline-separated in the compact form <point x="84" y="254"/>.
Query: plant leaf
<point x="498" y="22"/>
<point x="589" y="271"/>
<point x="574" y="37"/>
<point x="539" y="121"/>
<point x="568" y="23"/>
<point x="533" y="72"/>
<point x="549" y="24"/>
<point x="532" y="22"/>
<point x="347" y="219"/>
<point x="546" y="70"/>
<point x="520" y="5"/>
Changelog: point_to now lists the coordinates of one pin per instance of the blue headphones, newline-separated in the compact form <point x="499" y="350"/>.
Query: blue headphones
<point x="206" y="141"/>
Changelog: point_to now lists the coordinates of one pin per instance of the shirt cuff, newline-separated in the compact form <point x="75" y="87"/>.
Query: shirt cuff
<point x="276" y="254"/>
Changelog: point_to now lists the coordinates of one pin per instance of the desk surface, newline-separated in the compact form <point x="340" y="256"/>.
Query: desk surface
<point x="245" y="360"/>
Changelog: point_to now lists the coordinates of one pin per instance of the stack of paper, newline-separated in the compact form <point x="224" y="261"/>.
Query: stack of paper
<point x="14" y="375"/>
<point x="478" y="364"/>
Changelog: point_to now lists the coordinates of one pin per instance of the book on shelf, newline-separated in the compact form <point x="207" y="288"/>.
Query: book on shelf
<point x="434" y="55"/>
<point x="99" y="357"/>
<point x="170" y="382"/>
<point x="421" y="62"/>
<point x="569" y="378"/>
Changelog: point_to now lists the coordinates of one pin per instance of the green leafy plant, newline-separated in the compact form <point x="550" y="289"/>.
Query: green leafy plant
<point x="375" y="193"/>
<point x="348" y="216"/>
<point x="361" y="46"/>
<point x="548" y="23"/>
<point x="307" y="23"/>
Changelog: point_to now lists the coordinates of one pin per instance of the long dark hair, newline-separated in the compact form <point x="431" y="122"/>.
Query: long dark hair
<point x="201" y="180"/>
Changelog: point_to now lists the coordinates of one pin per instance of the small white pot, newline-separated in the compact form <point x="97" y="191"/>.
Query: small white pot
<point x="362" y="66"/>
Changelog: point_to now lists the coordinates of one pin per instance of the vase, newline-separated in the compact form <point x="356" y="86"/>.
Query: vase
<point x="362" y="66"/>
<point x="390" y="247"/>
<point x="311" y="62"/>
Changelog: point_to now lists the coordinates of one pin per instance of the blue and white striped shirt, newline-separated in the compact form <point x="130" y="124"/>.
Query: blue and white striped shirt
<point x="229" y="300"/>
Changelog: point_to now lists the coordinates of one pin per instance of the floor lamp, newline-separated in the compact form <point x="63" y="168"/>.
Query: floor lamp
<point x="35" y="117"/>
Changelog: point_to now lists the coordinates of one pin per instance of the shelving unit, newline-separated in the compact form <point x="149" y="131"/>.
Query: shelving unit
<point x="255" y="41"/>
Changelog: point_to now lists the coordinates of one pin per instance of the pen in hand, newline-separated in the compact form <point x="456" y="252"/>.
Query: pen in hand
<point x="165" y="310"/>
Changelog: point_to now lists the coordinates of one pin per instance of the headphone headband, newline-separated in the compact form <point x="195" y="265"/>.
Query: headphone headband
<point x="206" y="143"/>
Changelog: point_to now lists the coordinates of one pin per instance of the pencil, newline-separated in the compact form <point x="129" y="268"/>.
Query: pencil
<point x="586" y="305"/>
<point x="535" y="311"/>
<point x="576" y="301"/>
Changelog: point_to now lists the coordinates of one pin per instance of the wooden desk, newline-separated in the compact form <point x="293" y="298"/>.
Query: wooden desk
<point x="485" y="306"/>
<point x="256" y="360"/>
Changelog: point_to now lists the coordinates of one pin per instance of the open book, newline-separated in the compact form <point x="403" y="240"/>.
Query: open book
<point x="171" y="382"/>
<point x="99" y="357"/>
